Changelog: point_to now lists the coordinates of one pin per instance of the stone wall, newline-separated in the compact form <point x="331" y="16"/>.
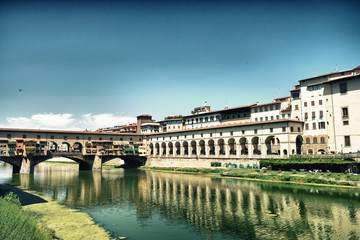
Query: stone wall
<point x="199" y="162"/>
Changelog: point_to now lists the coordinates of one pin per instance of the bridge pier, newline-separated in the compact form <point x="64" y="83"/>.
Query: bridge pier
<point x="97" y="163"/>
<point x="24" y="165"/>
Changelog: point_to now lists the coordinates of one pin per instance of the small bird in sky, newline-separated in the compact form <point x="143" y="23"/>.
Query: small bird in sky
<point x="20" y="90"/>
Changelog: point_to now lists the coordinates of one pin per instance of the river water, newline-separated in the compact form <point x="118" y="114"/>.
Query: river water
<point x="154" y="205"/>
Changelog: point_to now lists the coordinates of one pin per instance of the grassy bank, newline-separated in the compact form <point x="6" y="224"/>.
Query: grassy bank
<point x="336" y="179"/>
<point x="48" y="214"/>
<point x="16" y="223"/>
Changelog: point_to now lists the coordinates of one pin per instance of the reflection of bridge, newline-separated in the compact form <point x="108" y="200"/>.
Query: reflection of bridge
<point x="26" y="148"/>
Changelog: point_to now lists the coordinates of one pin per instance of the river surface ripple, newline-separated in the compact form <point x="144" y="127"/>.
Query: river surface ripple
<point x="155" y="205"/>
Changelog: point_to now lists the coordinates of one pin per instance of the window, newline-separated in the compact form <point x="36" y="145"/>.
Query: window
<point x="24" y="136"/>
<point x="271" y="129"/>
<point x="140" y="139"/>
<point x="322" y="140"/>
<point x="345" y="112"/>
<point x="272" y="117"/>
<point x="266" y="108"/>
<point x="277" y="107"/>
<point x="261" y="119"/>
<point x="315" y="140"/>
<point x="291" y="129"/>
<point x="111" y="139"/>
<point x="313" y="88"/>
<point x="271" y="108"/>
<point x="193" y="136"/>
<point x="255" y="131"/>
<point x="321" y="125"/>
<point x="321" y="114"/>
<point x="277" y="117"/>
<point x="256" y="119"/>
<point x="320" y="102"/>
<point x="284" y="129"/>
<point x="307" y="140"/>
<point x="305" y="104"/>
<point x="343" y="87"/>
<point x="295" y="95"/>
<point x="231" y="133"/>
<point x="89" y="138"/>
<point x="296" y="107"/>
<point x="243" y="131"/>
<point x="306" y="115"/>
<point x="120" y="139"/>
<point x="255" y="110"/>
<point x="347" y="141"/>
<point x="299" y="130"/>
<point x="313" y="115"/>
<point x="260" y="109"/>
<point x="8" y="136"/>
<point x="130" y="139"/>
<point x="312" y="103"/>
<point x="346" y="122"/>
<point x="306" y="126"/>
<point x="38" y="137"/>
<point x="77" y="138"/>
<point x="220" y="133"/>
<point x="100" y="138"/>
<point x="266" y="118"/>
<point x="210" y="134"/>
<point x="314" y="126"/>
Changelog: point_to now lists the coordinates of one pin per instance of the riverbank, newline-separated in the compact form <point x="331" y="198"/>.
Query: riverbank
<point x="294" y="177"/>
<point x="66" y="223"/>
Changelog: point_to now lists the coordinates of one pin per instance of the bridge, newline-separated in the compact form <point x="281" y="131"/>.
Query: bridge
<point x="25" y="148"/>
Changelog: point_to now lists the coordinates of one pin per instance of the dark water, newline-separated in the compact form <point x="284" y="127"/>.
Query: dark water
<point x="152" y="205"/>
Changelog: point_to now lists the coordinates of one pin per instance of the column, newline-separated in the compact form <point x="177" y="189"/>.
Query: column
<point x="250" y="150"/>
<point x="237" y="147"/>
<point x="227" y="149"/>
<point x="207" y="150"/>
<point x="216" y="146"/>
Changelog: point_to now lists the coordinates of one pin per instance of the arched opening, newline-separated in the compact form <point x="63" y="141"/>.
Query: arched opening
<point x="221" y="144"/>
<point x="255" y="143"/>
<point x="315" y="140"/>
<point x="64" y="147"/>
<point x="177" y="147"/>
<point x="321" y="151"/>
<point x="322" y="140"/>
<point x="77" y="147"/>
<point x="157" y="148"/>
<point x="163" y="148"/>
<point x="186" y="148"/>
<point x="272" y="145"/>
<point x="232" y="150"/>
<point x="285" y="152"/>
<point x="151" y="149"/>
<point x="211" y="145"/>
<point x="310" y="152"/>
<point x="53" y="147"/>
<point x="171" y="148"/>
<point x="244" y="146"/>
<point x="193" y="148"/>
<point x="202" y="147"/>
<point x="299" y="143"/>
<point x="307" y="140"/>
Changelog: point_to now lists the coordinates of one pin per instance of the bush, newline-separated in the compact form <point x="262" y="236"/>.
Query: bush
<point x="215" y="164"/>
<point x="17" y="223"/>
<point x="12" y="198"/>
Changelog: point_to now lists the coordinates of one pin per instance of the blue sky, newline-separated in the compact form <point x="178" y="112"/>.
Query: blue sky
<point x="101" y="63"/>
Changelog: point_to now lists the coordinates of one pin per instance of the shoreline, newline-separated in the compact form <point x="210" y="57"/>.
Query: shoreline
<point x="209" y="174"/>
<point x="66" y="222"/>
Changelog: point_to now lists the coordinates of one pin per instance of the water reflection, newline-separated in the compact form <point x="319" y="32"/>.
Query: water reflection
<point x="214" y="208"/>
